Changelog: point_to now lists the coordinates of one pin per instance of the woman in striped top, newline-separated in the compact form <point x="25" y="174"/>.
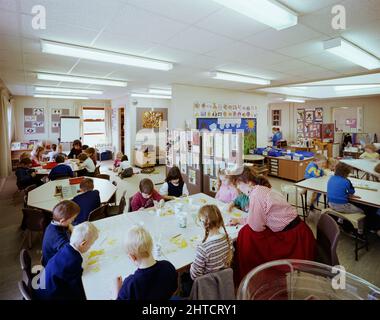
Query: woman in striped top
<point x="215" y="251"/>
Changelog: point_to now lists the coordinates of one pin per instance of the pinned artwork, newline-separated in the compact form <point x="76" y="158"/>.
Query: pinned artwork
<point x="57" y="111"/>
<point x="37" y="124"/>
<point x="34" y="121"/>
<point x="30" y="118"/>
<point x="223" y="110"/>
<point x="300" y="115"/>
<point x="38" y="111"/>
<point x="30" y="130"/>
<point x="213" y="185"/>
<point x="56" y="117"/>
<point x="152" y="119"/>
<point x="309" y="116"/>
<point x="318" y="117"/>
<point x="192" y="177"/>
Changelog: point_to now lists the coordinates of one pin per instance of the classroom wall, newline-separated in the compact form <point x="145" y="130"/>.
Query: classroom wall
<point x="22" y="102"/>
<point x="184" y="97"/>
<point x="370" y="105"/>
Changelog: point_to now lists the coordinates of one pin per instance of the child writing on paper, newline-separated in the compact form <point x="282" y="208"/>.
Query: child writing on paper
<point x="88" y="165"/>
<point x="153" y="280"/>
<point x="146" y="196"/>
<point x="174" y="186"/>
<point x="315" y="170"/>
<point x="57" y="233"/>
<point x="227" y="192"/>
<point x="63" y="272"/>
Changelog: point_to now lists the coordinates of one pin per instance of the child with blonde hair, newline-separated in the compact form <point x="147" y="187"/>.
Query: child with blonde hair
<point x="117" y="161"/>
<point x="227" y="192"/>
<point x="153" y="280"/>
<point x="369" y="152"/>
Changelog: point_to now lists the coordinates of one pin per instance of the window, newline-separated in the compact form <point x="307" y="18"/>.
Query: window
<point x="94" y="129"/>
<point x="276" y="118"/>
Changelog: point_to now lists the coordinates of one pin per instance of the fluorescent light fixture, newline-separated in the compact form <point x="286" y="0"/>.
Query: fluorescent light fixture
<point x="352" y="53"/>
<point x="160" y="91"/>
<point x="356" y="87"/>
<point x="238" y="78"/>
<point x="70" y="50"/>
<point x="75" y="79"/>
<point x="59" y="97"/>
<point x="268" y="12"/>
<point x="296" y="100"/>
<point x="154" y="96"/>
<point x="67" y="90"/>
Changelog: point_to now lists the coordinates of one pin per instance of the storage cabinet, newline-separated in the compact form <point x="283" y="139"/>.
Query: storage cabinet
<point x="293" y="170"/>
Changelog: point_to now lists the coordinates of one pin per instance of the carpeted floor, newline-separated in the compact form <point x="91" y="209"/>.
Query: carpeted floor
<point x="368" y="266"/>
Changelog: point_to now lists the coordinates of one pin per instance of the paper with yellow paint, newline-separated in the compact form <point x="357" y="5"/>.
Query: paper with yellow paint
<point x="95" y="253"/>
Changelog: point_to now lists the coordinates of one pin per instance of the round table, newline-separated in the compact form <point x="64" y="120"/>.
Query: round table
<point x="254" y="158"/>
<point x="43" y="197"/>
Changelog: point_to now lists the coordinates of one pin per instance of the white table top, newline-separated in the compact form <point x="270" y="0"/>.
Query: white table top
<point x="368" y="197"/>
<point x="365" y="165"/>
<point x="74" y="166"/>
<point x="253" y="157"/>
<point x="43" y="196"/>
<point x="107" y="260"/>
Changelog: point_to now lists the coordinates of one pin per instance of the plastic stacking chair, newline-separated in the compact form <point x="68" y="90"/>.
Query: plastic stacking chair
<point x="26" y="263"/>
<point x="97" y="171"/>
<point x="103" y="176"/>
<point x="130" y="204"/>
<point x="98" y="213"/>
<point x="327" y="240"/>
<point x="115" y="210"/>
<point x="26" y="191"/>
<point x="25" y="290"/>
<point x="34" y="220"/>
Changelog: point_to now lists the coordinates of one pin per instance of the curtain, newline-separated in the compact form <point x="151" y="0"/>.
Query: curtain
<point x="5" y="146"/>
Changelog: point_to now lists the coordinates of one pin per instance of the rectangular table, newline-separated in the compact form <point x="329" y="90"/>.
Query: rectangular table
<point x="365" y="165"/>
<point x="367" y="197"/>
<point x="107" y="260"/>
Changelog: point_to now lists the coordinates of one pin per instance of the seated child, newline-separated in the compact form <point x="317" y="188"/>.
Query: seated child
<point x="340" y="190"/>
<point x="25" y="155"/>
<point x="26" y="176"/>
<point x="153" y="280"/>
<point x="227" y="192"/>
<point x="91" y="153"/>
<point x="241" y="202"/>
<point x="315" y="170"/>
<point x="61" y="170"/>
<point x="145" y="197"/>
<point x="52" y="153"/>
<point x="84" y="147"/>
<point x="174" y="186"/>
<point x="369" y="152"/>
<point x="57" y="233"/>
<point x="117" y="161"/>
<point x="76" y="150"/>
<point x="88" y="164"/>
<point x="215" y="251"/>
<point x="124" y="163"/>
<point x="63" y="272"/>
<point x="37" y="156"/>
<point x="88" y="200"/>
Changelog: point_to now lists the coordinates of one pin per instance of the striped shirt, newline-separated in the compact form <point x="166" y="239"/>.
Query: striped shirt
<point x="268" y="208"/>
<point x="210" y="256"/>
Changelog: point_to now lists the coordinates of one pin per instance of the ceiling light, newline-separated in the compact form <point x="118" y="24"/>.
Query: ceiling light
<point x="67" y="90"/>
<point x="59" y="97"/>
<point x="356" y="87"/>
<point x="75" y="79"/>
<point x="69" y="50"/>
<point x="161" y="91"/>
<point x="268" y="12"/>
<point x="352" y="53"/>
<point x="155" y="96"/>
<point x="296" y="100"/>
<point x="238" y="78"/>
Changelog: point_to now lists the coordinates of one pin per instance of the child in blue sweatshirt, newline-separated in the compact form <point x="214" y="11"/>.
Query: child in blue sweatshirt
<point x="61" y="170"/>
<point x="315" y="170"/>
<point x="63" y="273"/>
<point x="88" y="200"/>
<point x="57" y="233"/>
<point x="26" y="176"/>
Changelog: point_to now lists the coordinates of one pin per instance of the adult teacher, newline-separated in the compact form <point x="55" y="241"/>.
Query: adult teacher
<point x="272" y="230"/>
<point x="277" y="136"/>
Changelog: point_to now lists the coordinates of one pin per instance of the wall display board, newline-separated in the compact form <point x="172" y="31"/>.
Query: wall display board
<point x="246" y="125"/>
<point x="56" y="114"/>
<point x="309" y="123"/>
<point x="220" y="110"/>
<point x="34" y="120"/>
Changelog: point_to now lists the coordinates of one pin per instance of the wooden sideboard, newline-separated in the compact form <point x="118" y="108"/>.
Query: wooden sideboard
<point x="293" y="170"/>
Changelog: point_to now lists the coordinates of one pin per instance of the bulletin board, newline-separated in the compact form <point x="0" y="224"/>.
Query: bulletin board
<point x="34" y="120"/>
<point x="248" y="125"/>
<point x="309" y="123"/>
<point x="56" y="114"/>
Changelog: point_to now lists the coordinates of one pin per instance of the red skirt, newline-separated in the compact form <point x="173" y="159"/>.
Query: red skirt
<point x="255" y="248"/>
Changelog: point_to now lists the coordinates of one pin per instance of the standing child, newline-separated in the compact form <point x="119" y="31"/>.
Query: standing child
<point x="215" y="251"/>
<point x="61" y="170"/>
<point x="227" y="192"/>
<point x="145" y="197"/>
<point x="63" y="272"/>
<point x="174" y="186"/>
<point x="57" y="233"/>
<point x="369" y="152"/>
<point x="153" y="280"/>
<point x="315" y="170"/>
<point x="88" y="200"/>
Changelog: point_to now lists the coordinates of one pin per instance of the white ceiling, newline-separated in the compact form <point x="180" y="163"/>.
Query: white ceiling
<point x="197" y="35"/>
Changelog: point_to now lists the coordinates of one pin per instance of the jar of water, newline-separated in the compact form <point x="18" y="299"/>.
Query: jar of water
<point x="182" y="220"/>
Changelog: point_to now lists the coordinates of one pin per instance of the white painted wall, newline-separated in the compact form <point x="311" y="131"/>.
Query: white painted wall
<point x="22" y="102"/>
<point x="184" y="97"/>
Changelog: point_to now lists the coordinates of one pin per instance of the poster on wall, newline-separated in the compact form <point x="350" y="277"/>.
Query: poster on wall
<point x="183" y="168"/>
<point x="309" y="116"/>
<point x="210" y="110"/>
<point x="213" y="185"/>
<point x="30" y="130"/>
<point x="192" y="176"/>
<point x="300" y="115"/>
<point x="38" y="111"/>
<point x="34" y="121"/>
<point x="55" y="118"/>
<point x="318" y="117"/>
